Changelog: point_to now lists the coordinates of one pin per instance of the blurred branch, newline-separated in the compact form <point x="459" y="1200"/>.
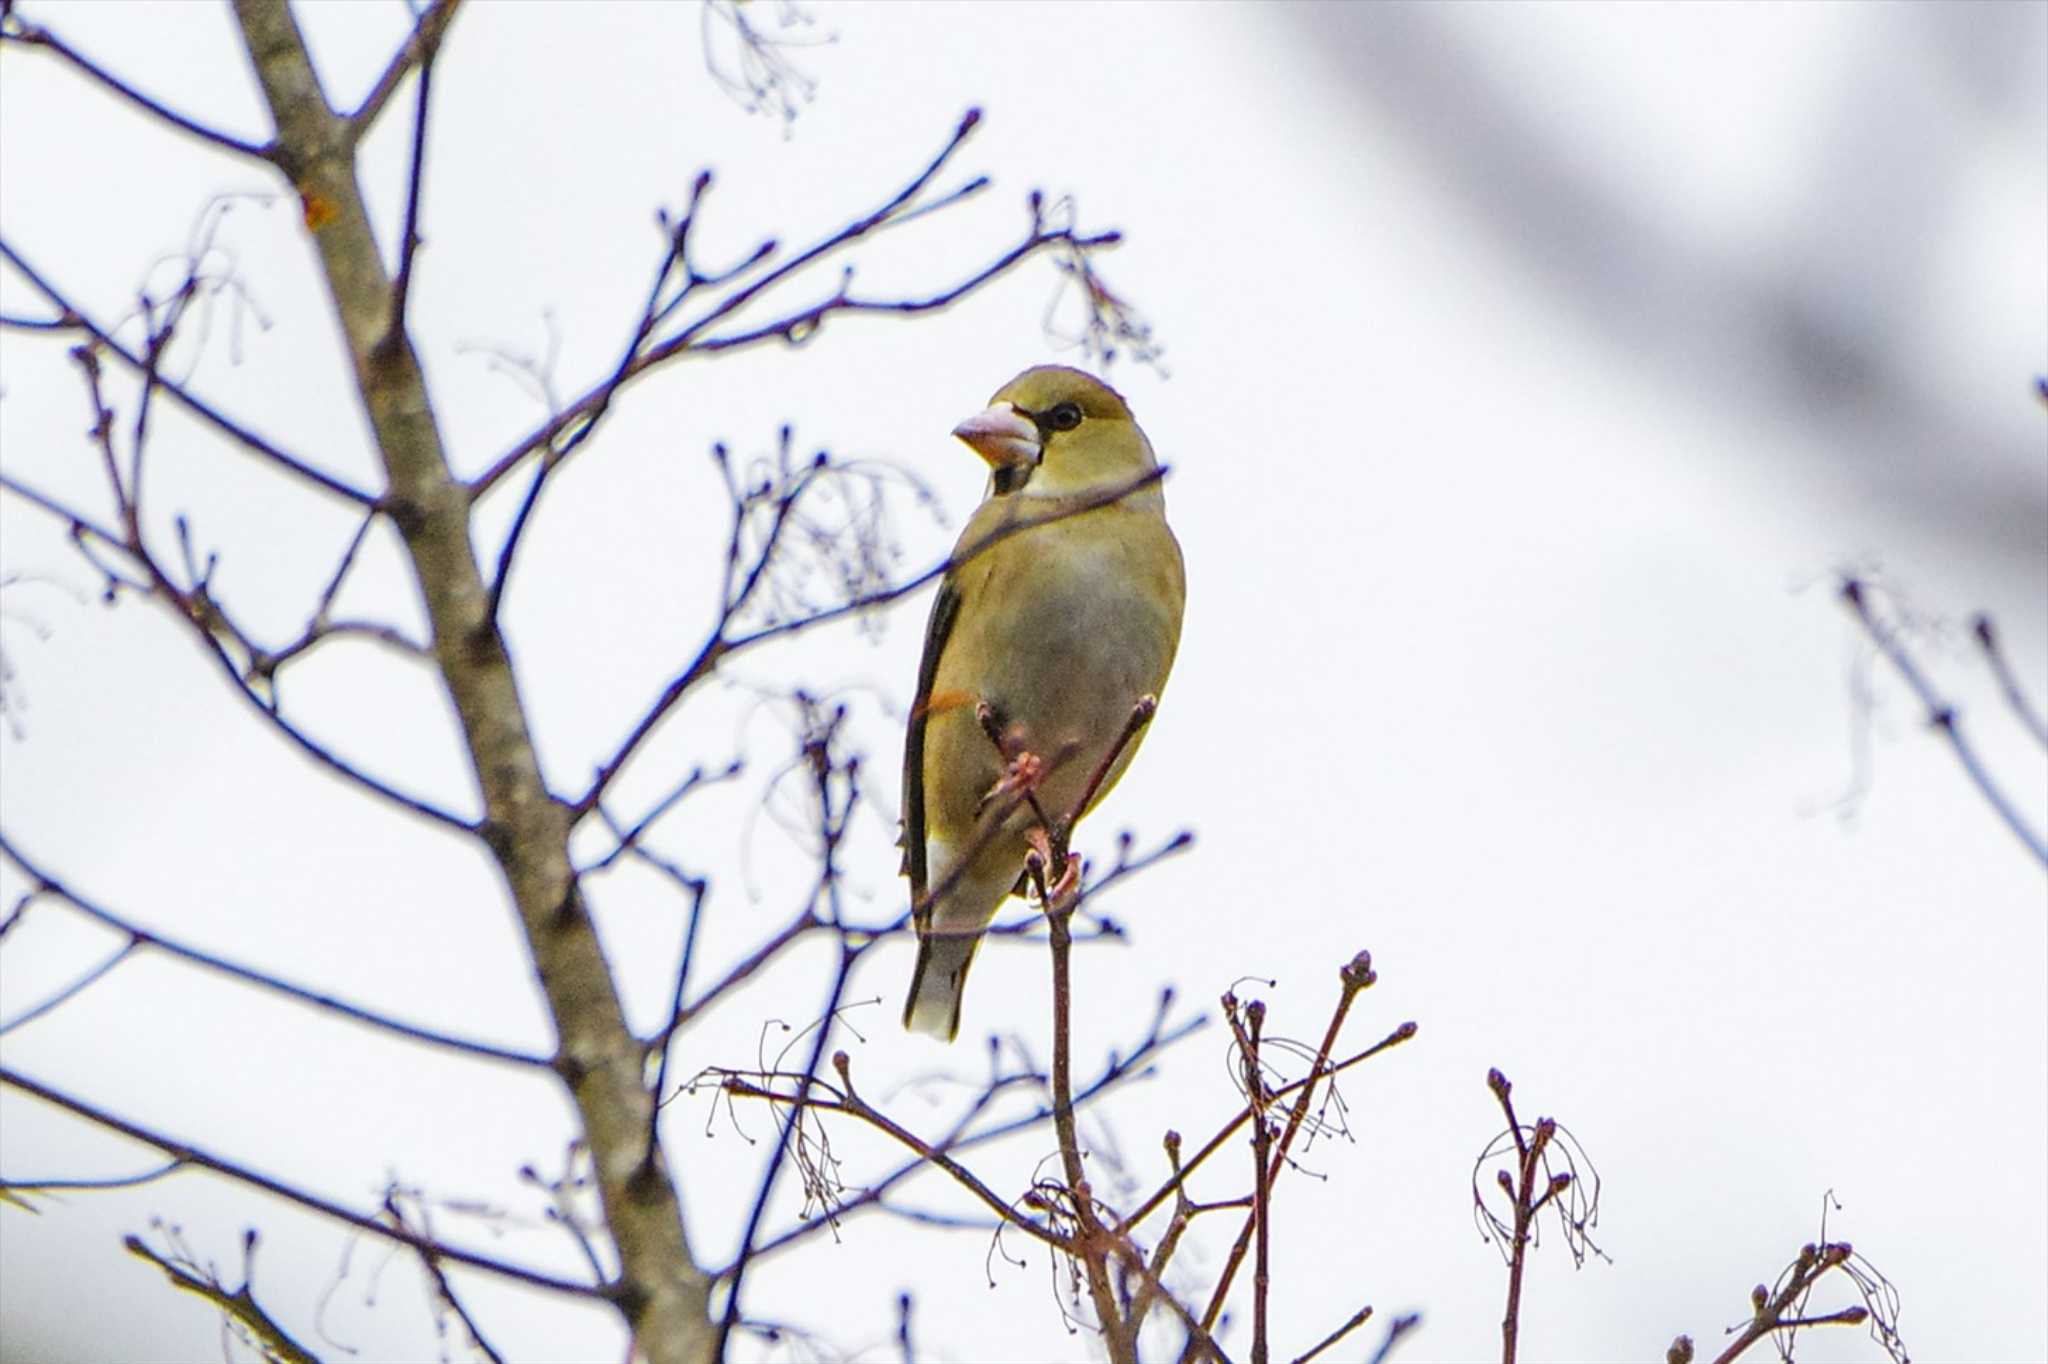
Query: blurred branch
<point x="1889" y="639"/>
<point x="238" y="1305"/>
<point x="437" y="1278"/>
<point x="20" y="1192"/>
<point x="69" y="992"/>
<point x="1397" y="1331"/>
<point x="765" y="80"/>
<point x="416" y="180"/>
<point x="427" y="32"/>
<point x="2008" y="682"/>
<point x="1358" y="1319"/>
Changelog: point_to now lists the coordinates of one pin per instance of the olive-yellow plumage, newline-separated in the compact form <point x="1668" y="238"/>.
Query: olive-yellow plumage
<point x="1059" y="628"/>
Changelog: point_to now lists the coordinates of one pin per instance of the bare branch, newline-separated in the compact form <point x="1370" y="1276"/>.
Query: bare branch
<point x="427" y="33"/>
<point x="1941" y="714"/>
<point x="719" y="646"/>
<point x="801" y="325"/>
<point x="1135" y="1064"/>
<point x="193" y="1156"/>
<point x="1780" y="1311"/>
<point x="240" y="435"/>
<point x="444" y="1291"/>
<point x="841" y="1098"/>
<point x="764" y="80"/>
<point x="196" y="606"/>
<point x="238" y="1305"/>
<point x="1551" y="1170"/>
<point x="1173" y="1185"/>
<point x="139" y="938"/>
<point x="1358" y="1319"/>
<point x="18" y="31"/>
<point x="415" y="189"/>
<point x="2008" y="682"/>
<point x="1355" y="977"/>
<point x="69" y="992"/>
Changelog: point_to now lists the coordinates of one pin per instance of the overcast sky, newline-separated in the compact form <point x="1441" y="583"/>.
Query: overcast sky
<point x="1529" y="373"/>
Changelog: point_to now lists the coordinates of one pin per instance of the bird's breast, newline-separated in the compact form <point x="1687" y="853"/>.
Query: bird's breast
<point x="1078" y="625"/>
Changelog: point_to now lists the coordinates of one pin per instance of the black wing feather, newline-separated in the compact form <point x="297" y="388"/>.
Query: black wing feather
<point x="945" y="608"/>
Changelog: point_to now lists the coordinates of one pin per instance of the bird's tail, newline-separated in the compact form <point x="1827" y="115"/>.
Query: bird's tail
<point x="934" y="1004"/>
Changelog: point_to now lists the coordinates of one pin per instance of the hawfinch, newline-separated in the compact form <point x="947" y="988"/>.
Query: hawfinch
<point x="1051" y="636"/>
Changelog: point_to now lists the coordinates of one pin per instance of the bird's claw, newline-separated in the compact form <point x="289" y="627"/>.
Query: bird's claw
<point x="1021" y="776"/>
<point x="1059" y="894"/>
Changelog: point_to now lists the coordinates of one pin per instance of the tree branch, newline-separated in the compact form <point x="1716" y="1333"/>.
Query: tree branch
<point x="139" y="938"/>
<point x="1942" y="715"/>
<point x="719" y="646"/>
<point x="800" y="326"/>
<point x="16" y="30"/>
<point x="73" y="317"/>
<point x="663" y="1295"/>
<point x="419" y="48"/>
<point x="193" y="1156"/>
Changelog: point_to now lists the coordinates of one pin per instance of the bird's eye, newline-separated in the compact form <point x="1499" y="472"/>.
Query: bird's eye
<point x="1065" y="417"/>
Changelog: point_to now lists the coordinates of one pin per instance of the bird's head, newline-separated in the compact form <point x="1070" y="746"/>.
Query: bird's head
<point x="1053" y="430"/>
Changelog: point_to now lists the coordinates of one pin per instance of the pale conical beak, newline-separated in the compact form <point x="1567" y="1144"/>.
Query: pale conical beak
<point x="1002" y="437"/>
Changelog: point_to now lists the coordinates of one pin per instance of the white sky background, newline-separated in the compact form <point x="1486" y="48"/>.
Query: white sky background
<point x="1511" y="652"/>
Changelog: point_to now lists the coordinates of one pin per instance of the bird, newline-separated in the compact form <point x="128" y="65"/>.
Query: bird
<point x="1054" y="628"/>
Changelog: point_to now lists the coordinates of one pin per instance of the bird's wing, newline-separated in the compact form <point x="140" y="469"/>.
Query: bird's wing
<point x="945" y="609"/>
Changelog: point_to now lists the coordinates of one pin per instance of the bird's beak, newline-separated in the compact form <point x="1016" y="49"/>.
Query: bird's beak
<point x="1003" y="438"/>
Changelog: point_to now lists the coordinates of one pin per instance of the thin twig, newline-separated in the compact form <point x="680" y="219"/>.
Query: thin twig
<point x="424" y="41"/>
<point x="1134" y="1065"/>
<point x="804" y="323"/>
<point x="1262" y="1183"/>
<point x="415" y="191"/>
<point x="237" y="1305"/>
<point x="51" y="1186"/>
<point x="444" y="1290"/>
<point x="2008" y="681"/>
<point x="835" y="785"/>
<point x="1942" y="715"/>
<point x="1215" y="1143"/>
<point x="1089" y="1232"/>
<point x="1355" y="976"/>
<point x="720" y="646"/>
<point x="843" y="1099"/>
<point x="1358" y="1319"/>
<point x="71" y="991"/>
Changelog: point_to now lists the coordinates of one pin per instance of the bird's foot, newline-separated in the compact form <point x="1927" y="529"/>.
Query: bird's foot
<point x="1021" y="775"/>
<point x="1059" y="895"/>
